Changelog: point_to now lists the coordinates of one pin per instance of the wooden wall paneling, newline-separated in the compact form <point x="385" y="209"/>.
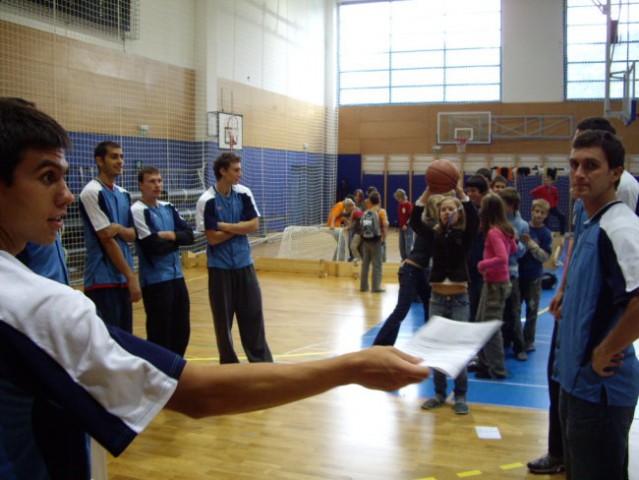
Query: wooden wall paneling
<point x="422" y="135"/>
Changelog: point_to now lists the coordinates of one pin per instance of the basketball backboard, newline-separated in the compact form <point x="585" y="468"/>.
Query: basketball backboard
<point x="473" y="127"/>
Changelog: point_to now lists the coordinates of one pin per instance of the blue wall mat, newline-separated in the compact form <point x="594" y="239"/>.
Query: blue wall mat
<point x="524" y="186"/>
<point x="349" y="167"/>
<point x="419" y="185"/>
<point x="395" y="181"/>
<point x="285" y="184"/>
<point x="527" y="183"/>
<point x="563" y="185"/>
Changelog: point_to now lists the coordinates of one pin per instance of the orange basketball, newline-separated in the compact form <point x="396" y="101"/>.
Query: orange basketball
<point x="442" y="176"/>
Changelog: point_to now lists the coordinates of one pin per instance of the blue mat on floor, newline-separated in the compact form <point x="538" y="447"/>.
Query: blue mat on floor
<point x="526" y="385"/>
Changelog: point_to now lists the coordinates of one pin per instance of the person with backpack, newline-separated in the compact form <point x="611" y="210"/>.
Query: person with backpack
<point x="374" y="223"/>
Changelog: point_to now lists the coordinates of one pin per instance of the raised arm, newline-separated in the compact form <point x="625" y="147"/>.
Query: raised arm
<point x="419" y="227"/>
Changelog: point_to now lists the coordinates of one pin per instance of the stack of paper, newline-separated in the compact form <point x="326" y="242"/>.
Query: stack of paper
<point x="448" y="345"/>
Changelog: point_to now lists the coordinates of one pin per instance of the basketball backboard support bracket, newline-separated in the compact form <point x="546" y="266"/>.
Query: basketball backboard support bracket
<point x="533" y="127"/>
<point x="483" y="127"/>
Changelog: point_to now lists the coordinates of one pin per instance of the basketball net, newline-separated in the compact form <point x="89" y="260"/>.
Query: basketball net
<point x="460" y="144"/>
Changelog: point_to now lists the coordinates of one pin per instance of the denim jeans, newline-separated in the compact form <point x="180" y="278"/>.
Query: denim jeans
<point x="405" y="242"/>
<point x="453" y="307"/>
<point x="595" y="439"/>
<point x="530" y="292"/>
<point x="412" y="280"/>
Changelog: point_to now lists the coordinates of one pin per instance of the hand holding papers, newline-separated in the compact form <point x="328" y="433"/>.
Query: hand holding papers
<point x="448" y="345"/>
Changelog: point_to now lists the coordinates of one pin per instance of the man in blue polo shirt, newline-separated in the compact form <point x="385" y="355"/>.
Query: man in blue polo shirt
<point x="161" y="231"/>
<point x="227" y="213"/>
<point x="109" y="279"/>
<point x="595" y="362"/>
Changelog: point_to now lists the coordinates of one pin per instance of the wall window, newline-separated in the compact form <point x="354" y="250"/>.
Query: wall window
<point x="419" y="51"/>
<point x="586" y="46"/>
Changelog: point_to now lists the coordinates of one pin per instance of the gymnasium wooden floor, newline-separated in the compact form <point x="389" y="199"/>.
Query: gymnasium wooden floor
<point x="348" y="433"/>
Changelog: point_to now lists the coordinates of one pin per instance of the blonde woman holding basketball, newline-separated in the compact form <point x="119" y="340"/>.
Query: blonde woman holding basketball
<point x="451" y="239"/>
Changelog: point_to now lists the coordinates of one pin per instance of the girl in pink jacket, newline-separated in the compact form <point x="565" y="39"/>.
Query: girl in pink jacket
<point x="499" y="244"/>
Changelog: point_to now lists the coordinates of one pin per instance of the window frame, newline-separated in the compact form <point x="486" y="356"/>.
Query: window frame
<point x="447" y="88"/>
<point x="596" y="64"/>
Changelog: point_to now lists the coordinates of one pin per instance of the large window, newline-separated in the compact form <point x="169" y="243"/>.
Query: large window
<point x="419" y="51"/>
<point x="586" y="34"/>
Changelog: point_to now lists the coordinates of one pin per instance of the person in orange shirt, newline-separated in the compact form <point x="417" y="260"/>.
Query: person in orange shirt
<point x="340" y="213"/>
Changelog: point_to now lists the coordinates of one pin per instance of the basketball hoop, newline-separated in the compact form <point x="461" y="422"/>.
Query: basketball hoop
<point x="460" y="144"/>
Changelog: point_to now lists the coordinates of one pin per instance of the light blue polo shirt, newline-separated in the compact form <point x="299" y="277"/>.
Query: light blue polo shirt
<point x="213" y="207"/>
<point x="603" y="275"/>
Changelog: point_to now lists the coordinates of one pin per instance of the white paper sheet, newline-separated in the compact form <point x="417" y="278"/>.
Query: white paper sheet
<point x="488" y="433"/>
<point x="448" y="345"/>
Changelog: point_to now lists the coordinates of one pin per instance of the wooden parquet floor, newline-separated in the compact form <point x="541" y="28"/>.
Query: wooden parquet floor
<point x="348" y="433"/>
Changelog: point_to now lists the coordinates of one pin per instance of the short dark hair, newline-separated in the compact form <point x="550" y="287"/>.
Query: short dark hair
<point x="23" y="127"/>
<point x="596" y="123"/>
<point x="150" y="170"/>
<point x="485" y="172"/>
<point x="479" y="182"/>
<point x="103" y="148"/>
<point x="511" y="197"/>
<point x="224" y="161"/>
<point x="499" y="178"/>
<point x="610" y="144"/>
<point x="375" y="198"/>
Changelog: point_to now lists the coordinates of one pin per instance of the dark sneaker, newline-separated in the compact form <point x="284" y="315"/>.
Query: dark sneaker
<point x="434" y="402"/>
<point x="484" y="374"/>
<point x="546" y="465"/>
<point x="461" y="407"/>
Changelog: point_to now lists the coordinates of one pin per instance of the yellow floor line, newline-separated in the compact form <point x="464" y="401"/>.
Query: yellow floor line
<point x="469" y="473"/>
